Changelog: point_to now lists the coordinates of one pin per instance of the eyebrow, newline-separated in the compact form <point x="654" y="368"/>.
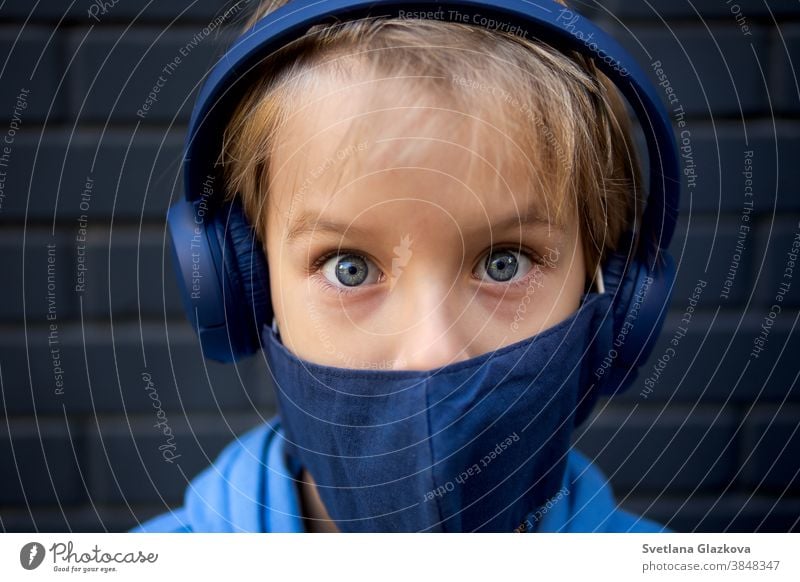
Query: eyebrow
<point x="531" y="218"/>
<point x="308" y="224"/>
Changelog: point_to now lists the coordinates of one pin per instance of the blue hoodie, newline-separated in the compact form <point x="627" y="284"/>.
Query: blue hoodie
<point x="250" y="488"/>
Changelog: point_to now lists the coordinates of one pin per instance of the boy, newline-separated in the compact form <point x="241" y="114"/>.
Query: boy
<point x="435" y="201"/>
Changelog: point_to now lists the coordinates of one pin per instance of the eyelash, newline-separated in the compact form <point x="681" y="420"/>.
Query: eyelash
<point x="313" y="270"/>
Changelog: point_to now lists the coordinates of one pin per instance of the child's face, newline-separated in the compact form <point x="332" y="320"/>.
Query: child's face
<point x="410" y="287"/>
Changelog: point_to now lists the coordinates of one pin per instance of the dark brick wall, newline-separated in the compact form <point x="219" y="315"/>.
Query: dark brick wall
<point x="712" y="445"/>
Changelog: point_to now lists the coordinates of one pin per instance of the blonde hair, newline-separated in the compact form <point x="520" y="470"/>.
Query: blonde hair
<point x="567" y="117"/>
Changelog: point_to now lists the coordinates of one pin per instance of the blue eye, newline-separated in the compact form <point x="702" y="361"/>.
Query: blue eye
<point x="501" y="266"/>
<point x="350" y="270"/>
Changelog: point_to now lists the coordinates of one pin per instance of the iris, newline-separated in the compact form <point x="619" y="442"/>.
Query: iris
<point x="351" y="270"/>
<point x="502" y="265"/>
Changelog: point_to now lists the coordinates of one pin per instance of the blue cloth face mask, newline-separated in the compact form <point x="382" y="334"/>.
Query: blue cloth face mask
<point x="476" y="445"/>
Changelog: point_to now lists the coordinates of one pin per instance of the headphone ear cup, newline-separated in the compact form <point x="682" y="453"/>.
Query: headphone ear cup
<point x="247" y="300"/>
<point x="641" y="299"/>
<point x="652" y="293"/>
<point x="617" y="281"/>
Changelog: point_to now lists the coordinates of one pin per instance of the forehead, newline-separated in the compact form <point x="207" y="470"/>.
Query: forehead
<point x="350" y="148"/>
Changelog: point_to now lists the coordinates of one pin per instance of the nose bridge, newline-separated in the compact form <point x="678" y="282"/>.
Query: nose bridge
<point x="431" y="335"/>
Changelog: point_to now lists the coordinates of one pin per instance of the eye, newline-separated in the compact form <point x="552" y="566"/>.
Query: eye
<point x="349" y="269"/>
<point x="501" y="266"/>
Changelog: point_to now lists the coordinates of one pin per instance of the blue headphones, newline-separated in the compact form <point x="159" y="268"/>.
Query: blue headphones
<point x="222" y="270"/>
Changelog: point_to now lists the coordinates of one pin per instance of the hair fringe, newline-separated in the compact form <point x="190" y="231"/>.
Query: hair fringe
<point x="581" y="144"/>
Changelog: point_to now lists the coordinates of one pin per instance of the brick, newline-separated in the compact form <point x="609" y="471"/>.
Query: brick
<point x="87" y="518"/>
<point x="718" y="152"/>
<point x="182" y="379"/>
<point x="43" y="288"/>
<point x="707" y="250"/>
<point x="771" y="449"/>
<point x="127" y="465"/>
<point x="750" y="9"/>
<point x="121" y="11"/>
<point x="734" y="513"/>
<point x="776" y="174"/>
<point x="660" y="450"/>
<point x="697" y="68"/>
<point x="40" y="463"/>
<point x="133" y="174"/>
<point x="777" y="258"/>
<point x="115" y="72"/>
<point x="784" y="80"/>
<point x="718" y="156"/>
<point x="708" y="362"/>
<point x="129" y="274"/>
<point x="32" y="59"/>
<point x="713" y="148"/>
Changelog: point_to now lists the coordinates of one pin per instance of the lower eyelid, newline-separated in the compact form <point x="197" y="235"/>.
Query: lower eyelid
<point x="525" y="279"/>
<point x="328" y="287"/>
